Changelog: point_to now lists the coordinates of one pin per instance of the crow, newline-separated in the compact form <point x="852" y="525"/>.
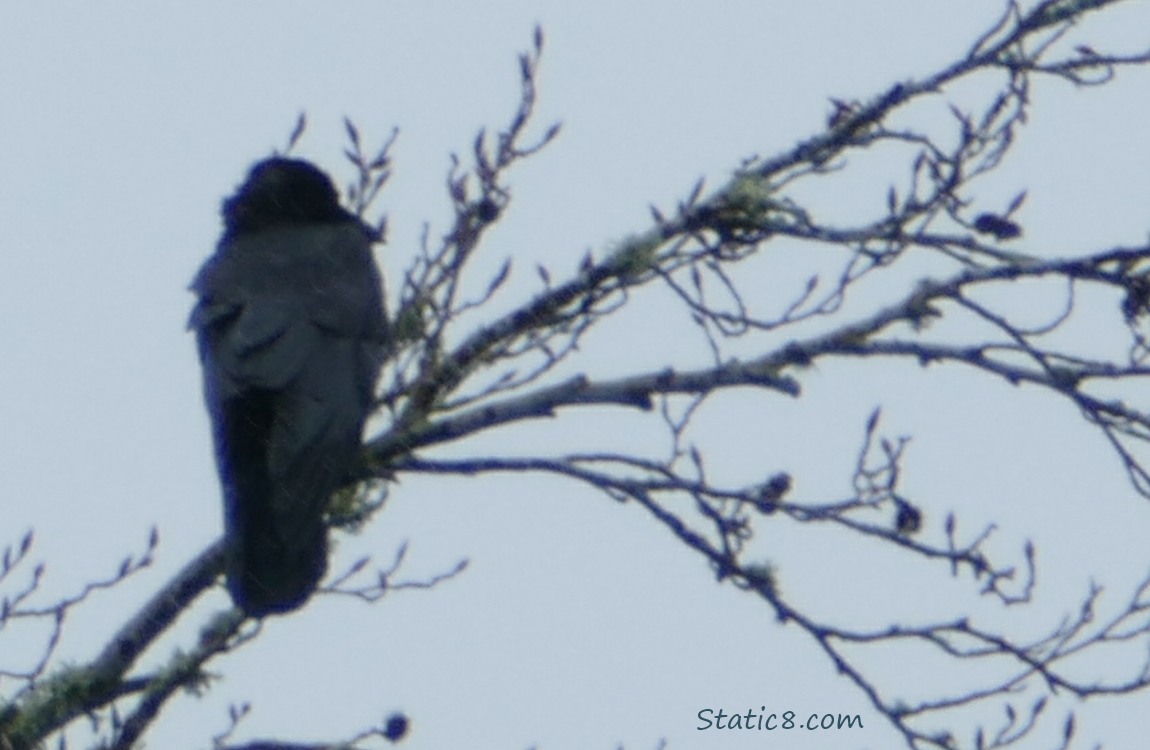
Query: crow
<point x="291" y="333"/>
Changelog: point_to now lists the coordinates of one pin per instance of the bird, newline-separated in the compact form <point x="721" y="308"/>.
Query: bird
<point x="291" y="334"/>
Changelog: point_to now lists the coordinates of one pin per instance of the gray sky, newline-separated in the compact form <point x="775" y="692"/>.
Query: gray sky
<point x="580" y="624"/>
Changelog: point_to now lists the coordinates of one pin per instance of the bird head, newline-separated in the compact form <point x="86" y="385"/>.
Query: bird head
<point x="282" y="192"/>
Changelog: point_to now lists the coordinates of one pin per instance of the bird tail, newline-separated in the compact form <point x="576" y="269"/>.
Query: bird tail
<point x="275" y="564"/>
<point x="277" y="540"/>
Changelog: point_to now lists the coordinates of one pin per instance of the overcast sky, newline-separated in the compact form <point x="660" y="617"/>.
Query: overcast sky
<point x="579" y="623"/>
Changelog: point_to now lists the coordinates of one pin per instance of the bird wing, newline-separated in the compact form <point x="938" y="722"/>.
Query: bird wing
<point x="291" y="334"/>
<point x="269" y="299"/>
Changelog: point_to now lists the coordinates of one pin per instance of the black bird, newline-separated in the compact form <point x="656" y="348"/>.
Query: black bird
<point x="291" y="334"/>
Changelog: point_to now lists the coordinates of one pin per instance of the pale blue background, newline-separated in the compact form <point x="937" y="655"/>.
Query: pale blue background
<point x="580" y="624"/>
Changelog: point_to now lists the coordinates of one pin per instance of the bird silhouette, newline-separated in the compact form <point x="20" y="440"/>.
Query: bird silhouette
<point x="291" y="334"/>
